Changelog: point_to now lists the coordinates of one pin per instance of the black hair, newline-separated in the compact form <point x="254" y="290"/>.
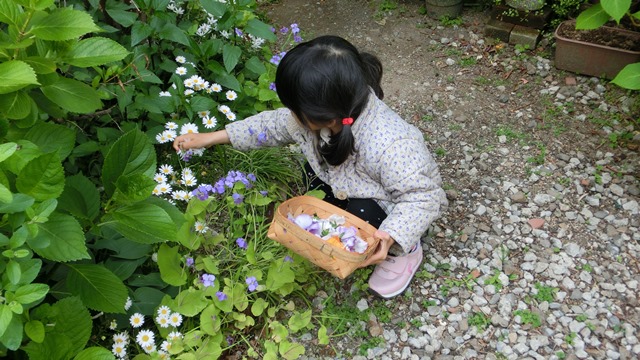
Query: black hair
<point x="324" y="79"/>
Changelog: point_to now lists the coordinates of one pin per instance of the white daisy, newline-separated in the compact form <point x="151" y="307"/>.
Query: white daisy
<point x="181" y="59"/>
<point x="119" y="350"/>
<point x="163" y="188"/>
<point x="215" y="87"/>
<point x="164" y="310"/>
<point x="175" y="319"/>
<point x="180" y="195"/>
<point x="170" y="125"/>
<point x="190" y="181"/>
<point x="188" y="83"/>
<point x="163" y="320"/>
<point x="160" y="178"/>
<point x="169" y="134"/>
<point x="166" y="169"/>
<point x="181" y="70"/>
<point x="224" y="109"/>
<point x="162" y="138"/>
<point x="231" y="116"/>
<point x="136" y="320"/>
<point x="188" y="92"/>
<point x="165" y="346"/>
<point x="200" y="227"/>
<point x="145" y="337"/>
<point x="198" y="151"/>
<point x="209" y="122"/>
<point x="231" y="95"/>
<point x="189" y="128"/>
<point x="149" y="348"/>
<point x="127" y="304"/>
<point x="187" y="172"/>
<point x="164" y="94"/>
<point x="121" y="338"/>
<point x="203" y="113"/>
<point x="174" y="335"/>
<point x="163" y="355"/>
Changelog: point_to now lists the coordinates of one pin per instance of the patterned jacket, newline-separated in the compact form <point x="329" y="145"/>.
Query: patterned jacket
<point x="391" y="165"/>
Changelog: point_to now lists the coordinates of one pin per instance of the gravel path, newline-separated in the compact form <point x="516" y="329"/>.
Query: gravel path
<point x="538" y="255"/>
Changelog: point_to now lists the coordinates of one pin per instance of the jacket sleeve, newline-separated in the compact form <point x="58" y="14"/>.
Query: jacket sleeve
<point x="268" y="128"/>
<point x="410" y="174"/>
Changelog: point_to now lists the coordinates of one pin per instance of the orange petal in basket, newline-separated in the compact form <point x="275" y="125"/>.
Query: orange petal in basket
<point x="335" y="241"/>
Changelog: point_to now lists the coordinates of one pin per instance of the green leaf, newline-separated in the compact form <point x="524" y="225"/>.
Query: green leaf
<point x="16" y="74"/>
<point x="214" y="7"/>
<point x="119" y="11"/>
<point x="132" y="188"/>
<point x="73" y="95"/>
<point x="30" y="293"/>
<point x="139" y="32"/>
<point x="10" y="12"/>
<point x="95" y="51"/>
<point x="143" y="223"/>
<point x="7" y="149"/>
<point x="63" y="237"/>
<point x="201" y="103"/>
<point x="42" y="178"/>
<point x="98" y="287"/>
<point x="16" y="105"/>
<point x="147" y="300"/>
<point x="41" y="65"/>
<point x="52" y="137"/>
<point x="592" y="18"/>
<point x="258" y="306"/>
<point x="279" y="274"/>
<point x="323" y="338"/>
<point x="616" y="8"/>
<point x="14" y="272"/>
<point x="170" y="265"/>
<point x="12" y="337"/>
<point x="290" y="351"/>
<point x="629" y="77"/>
<point x="63" y="24"/>
<point x="174" y="33"/>
<point x="40" y="4"/>
<point x="257" y="28"/>
<point x="132" y="154"/>
<point x="299" y="321"/>
<point x="230" y="56"/>
<point x="190" y="302"/>
<point x="20" y="202"/>
<point x="123" y="269"/>
<point x="80" y="197"/>
<point x="72" y="321"/>
<point x="5" y="318"/>
<point x="27" y="151"/>
<point x="229" y="81"/>
<point x="6" y="196"/>
<point x="55" y="346"/>
<point x="95" y="353"/>
<point x="255" y="65"/>
<point x="123" y="248"/>
<point x="210" y="321"/>
<point x="35" y="330"/>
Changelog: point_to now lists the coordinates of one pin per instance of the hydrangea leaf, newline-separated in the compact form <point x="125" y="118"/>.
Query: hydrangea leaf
<point x="80" y="197"/>
<point x="98" y="287"/>
<point x="16" y="74"/>
<point x="42" y="178"/>
<point x="60" y="239"/>
<point x="63" y="24"/>
<point x="73" y="95"/>
<point x="16" y="105"/>
<point x="95" y="51"/>
<point x="95" y="353"/>
<point x="52" y="137"/>
<point x="629" y="77"/>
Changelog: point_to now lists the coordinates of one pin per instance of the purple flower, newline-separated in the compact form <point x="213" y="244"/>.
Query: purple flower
<point x="202" y="191"/>
<point x="189" y="261"/>
<point x="241" y="243"/>
<point x="221" y="296"/>
<point x="207" y="279"/>
<point x="252" y="283"/>
<point x="237" y="198"/>
<point x="251" y="177"/>
<point x="264" y="192"/>
<point x="272" y="86"/>
<point x="230" y="340"/>
<point x="186" y="157"/>
<point x="284" y="30"/>
<point x="297" y="38"/>
<point x="219" y="186"/>
<point x="288" y="259"/>
<point x="238" y="32"/>
<point x="294" y="28"/>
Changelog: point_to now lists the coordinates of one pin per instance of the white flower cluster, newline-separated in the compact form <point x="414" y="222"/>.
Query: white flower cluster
<point x="167" y="178"/>
<point x="173" y="6"/>
<point x="146" y="338"/>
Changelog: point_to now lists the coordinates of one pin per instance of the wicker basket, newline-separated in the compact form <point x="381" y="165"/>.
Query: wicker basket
<point x="339" y="262"/>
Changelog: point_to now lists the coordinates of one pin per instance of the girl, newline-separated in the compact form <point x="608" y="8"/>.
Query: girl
<point x="367" y="159"/>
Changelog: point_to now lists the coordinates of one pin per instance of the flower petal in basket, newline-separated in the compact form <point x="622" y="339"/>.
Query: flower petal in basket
<point x="339" y="262"/>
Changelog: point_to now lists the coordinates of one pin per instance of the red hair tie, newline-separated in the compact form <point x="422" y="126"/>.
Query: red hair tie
<point x="347" y="121"/>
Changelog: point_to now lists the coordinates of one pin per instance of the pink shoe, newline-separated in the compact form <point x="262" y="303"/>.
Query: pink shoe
<point x="391" y="277"/>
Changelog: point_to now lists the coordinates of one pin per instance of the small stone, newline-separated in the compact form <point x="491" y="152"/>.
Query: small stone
<point x="536" y="223"/>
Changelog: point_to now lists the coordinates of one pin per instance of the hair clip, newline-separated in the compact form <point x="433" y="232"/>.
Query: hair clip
<point x="347" y="121"/>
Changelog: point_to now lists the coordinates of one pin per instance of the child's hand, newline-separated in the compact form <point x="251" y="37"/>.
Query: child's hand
<point x="382" y="250"/>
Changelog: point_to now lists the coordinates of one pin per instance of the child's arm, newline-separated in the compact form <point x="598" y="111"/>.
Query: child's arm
<point x="200" y="140"/>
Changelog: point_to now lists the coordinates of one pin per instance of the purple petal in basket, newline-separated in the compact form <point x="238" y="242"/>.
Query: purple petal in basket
<point x="304" y="221"/>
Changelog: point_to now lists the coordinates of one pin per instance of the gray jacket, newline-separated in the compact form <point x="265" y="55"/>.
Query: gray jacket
<point x="391" y="165"/>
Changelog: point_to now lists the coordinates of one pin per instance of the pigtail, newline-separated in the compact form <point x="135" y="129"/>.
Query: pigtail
<point x="341" y="145"/>
<point x="372" y="68"/>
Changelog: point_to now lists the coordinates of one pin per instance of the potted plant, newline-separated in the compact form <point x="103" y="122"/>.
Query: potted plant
<point x="587" y="46"/>
<point x="443" y="8"/>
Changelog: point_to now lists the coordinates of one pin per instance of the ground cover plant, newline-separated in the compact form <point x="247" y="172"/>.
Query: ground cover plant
<point x="113" y="245"/>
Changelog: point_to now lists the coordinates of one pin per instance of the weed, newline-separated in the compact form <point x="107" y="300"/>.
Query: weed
<point x="447" y="186"/>
<point x="468" y="61"/>
<point x="561" y="355"/>
<point x="509" y="133"/>
<point x="545" y="293"/>
<point x="586" y="267"/>
<point x="455" y="127"/>
<point x="582" y="317"/>
<point x="401" y="324"/>
<point x="590" y="326"/>
<point x="539" y="159"/>
<point x="453" y="52"/>
<point x="416" y="322"/>
<point x="528" y="317"/>
<point x="494" y="280"/>
<point x="479" y="320"/>
<point x="447" y="21"/>
<point x="382" y="312"/>
<point x="370" y="344"/>
<point x="481" y="80"/>
<point x="424" y="275"/>
<point x="427" y="118"/>
<point x="428" y="303"/>
<point x="598" y="174"/>
<point x="441" y="152"/>
<point x="564" y="181"/>
<point x="570" y="337"/>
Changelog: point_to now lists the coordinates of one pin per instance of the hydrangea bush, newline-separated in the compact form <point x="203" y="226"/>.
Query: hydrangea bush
<point x="111" y="244"/>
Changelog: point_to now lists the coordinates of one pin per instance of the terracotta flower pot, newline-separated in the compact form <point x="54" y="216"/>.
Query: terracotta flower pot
<point x="588" y="58"/>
